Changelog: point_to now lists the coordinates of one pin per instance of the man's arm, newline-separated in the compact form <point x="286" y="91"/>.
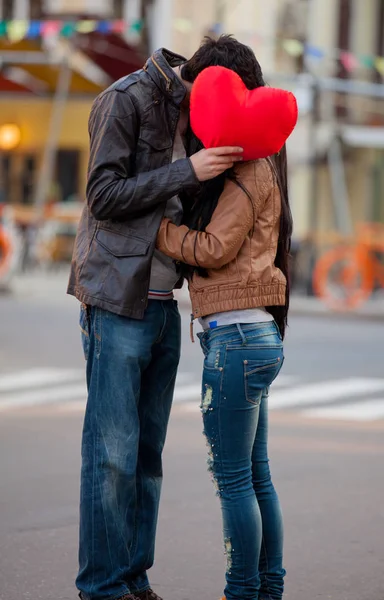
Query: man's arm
<point x="112" y="190"/>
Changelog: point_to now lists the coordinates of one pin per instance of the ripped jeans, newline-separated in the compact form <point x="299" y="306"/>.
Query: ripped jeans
<point x="241" y="362"/>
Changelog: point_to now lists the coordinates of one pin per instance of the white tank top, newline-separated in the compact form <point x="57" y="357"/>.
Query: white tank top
<point x="249" y="315"/>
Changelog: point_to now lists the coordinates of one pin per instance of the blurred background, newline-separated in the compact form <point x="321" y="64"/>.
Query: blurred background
<point x="327" y="408"/>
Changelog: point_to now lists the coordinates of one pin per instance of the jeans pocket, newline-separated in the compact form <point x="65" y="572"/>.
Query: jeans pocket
<point x="84" y="323"/>
<point x="259" y="375"/>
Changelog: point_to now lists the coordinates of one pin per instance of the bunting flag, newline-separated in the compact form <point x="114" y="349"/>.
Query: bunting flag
<point x="297" y="48"/>
<point x="349" y="60"/>
<point x="17" y="30"/>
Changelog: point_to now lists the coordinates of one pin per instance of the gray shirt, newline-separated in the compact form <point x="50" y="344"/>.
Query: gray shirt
<point x="164" y="275"/>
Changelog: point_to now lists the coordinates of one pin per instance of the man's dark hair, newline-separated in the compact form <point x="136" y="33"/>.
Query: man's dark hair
<point x="225" y="52"/>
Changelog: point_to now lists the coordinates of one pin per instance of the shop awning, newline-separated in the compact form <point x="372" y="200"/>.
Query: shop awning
<point x="27" y="76"/>
<point x="7" y="85"/>
<point x="111" y="53"/>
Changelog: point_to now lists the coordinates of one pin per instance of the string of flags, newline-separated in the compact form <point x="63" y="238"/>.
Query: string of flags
<point x="17" y="30"/>
<point x="296" y="48"/>
<point x="349" y="60"/>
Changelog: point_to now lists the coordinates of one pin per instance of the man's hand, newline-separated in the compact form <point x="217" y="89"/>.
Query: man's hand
<point x="209" y="163"/>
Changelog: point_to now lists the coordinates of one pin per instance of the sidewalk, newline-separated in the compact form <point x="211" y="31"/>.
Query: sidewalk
<point x="52" y="286"/>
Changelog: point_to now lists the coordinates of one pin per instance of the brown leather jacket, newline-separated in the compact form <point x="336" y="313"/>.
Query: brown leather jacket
<point x="238" y="247"/>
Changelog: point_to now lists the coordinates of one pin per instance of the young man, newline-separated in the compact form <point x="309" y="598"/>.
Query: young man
<point x="139" y="167"/>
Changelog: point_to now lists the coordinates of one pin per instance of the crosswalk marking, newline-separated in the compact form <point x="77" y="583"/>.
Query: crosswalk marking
<point x="362" y="411"/>
<point x="44" y="396"/>
<point x="187" y="392"/>
<point x="340" y="399"/>
<point x="37" y="377"/>
<point x="324" y="392"/>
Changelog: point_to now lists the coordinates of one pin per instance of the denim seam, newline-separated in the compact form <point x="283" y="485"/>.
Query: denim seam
<point x="266" y="562"/>
<point x="161" y="398"/>
<point x="163" y="329"/>
<point x="135" y="536"/>
<point x="96" y="442"/>
<point x="220" y="444"/>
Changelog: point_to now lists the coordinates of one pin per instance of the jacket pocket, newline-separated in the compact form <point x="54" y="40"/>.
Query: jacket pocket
<point x="121" y="245"/>
<point x="153" y="138"/>
<point x="116" y="267"/>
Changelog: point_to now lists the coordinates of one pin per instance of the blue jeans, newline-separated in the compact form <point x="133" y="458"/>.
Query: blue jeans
<point x="131" y="372"/>
<point x="241" y="361"/>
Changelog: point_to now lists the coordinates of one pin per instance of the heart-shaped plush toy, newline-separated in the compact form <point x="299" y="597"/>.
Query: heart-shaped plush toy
<point x="225" y="113"/>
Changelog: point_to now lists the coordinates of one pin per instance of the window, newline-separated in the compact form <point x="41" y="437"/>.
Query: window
<point x="5" y="178"/>
<point x="28" y="173"/>
<point x="36" y="9"/>
<point x="344" y="33"/>
<point x="7" y="12"/>
<point x="67" y="173"/>
<point x="380" y="36"/>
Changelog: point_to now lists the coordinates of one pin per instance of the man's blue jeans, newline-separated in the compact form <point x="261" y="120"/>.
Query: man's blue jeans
<point x="240" y="364"/>
<point x="131" y="371"/>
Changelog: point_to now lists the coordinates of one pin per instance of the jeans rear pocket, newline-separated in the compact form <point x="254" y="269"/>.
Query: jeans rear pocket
<point x="258" y="375"/>
<point x="85" y="329"/>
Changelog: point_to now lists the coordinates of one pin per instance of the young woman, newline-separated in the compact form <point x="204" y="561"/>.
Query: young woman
<point x="237" y="245"/>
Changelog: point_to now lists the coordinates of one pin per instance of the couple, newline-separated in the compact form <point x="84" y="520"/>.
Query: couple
<point x="160" y="208"/>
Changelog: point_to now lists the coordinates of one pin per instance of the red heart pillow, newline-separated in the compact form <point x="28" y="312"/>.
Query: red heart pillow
<point x="225" y="113"/>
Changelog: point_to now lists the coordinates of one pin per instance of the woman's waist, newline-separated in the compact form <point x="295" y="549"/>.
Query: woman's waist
<point x="263" y="333"/>
<point x="234" y="297"/>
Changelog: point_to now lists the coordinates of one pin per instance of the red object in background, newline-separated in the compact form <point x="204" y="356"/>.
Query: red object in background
<point x="111" y="53"/>
<point x="225" y="113"/>
<point x="7" y="85"/>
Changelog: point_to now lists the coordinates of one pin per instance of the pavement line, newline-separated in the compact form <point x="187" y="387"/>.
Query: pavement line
<point x="46" y="396"/>
<point x="359" y="411"/>
<point x="183" y="393"/>
<point x="325" y="392"/>
<point x="284" y="381"/>
<point x="22" y="380"/>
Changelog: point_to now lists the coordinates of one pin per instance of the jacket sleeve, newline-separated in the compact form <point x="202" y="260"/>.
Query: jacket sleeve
<point x="113" y="192"/>
<point x="231" y="222"/>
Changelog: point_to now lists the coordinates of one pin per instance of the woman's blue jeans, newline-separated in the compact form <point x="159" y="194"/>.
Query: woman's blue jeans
<point x="241" y="362"/>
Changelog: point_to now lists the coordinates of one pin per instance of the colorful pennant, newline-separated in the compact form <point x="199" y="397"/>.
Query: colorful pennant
<point x="18" y="30"/>
<point x="350" y="61"/>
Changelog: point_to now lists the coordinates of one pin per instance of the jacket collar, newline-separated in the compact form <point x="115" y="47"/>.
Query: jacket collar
<point x="160" y="68"/>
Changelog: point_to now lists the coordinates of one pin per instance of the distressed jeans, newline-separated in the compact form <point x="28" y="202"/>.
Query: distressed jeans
<point x="241" y="362"/>
<point x="131" y="371"/>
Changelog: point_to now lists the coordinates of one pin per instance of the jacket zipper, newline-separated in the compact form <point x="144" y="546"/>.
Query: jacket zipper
<point x="169" y="82"/>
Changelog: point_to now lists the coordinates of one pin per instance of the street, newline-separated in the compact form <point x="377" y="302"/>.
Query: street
<point x="327" y="449"/>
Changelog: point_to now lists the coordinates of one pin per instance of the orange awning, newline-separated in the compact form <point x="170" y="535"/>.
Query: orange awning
<point x="45" y="73"/>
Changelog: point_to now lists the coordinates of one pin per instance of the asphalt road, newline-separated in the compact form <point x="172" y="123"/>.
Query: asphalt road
<point x="327" y="450"/>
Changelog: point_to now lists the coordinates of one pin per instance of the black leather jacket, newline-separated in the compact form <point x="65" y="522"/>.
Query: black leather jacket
<point x="130" y="178"/>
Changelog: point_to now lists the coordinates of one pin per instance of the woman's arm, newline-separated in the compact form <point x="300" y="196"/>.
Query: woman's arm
<point x="231" y="222"/>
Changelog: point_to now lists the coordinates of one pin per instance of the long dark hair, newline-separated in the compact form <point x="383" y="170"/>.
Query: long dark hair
<point x="228" y="52"/>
